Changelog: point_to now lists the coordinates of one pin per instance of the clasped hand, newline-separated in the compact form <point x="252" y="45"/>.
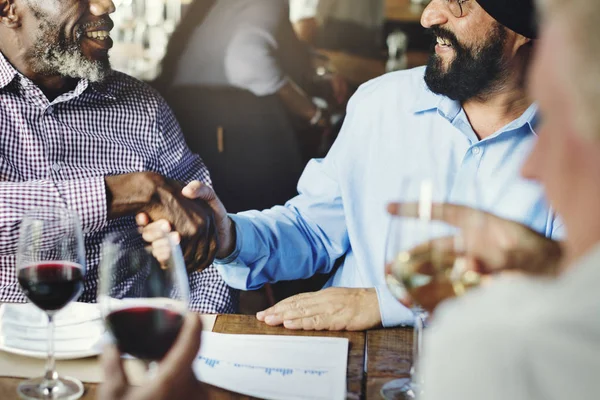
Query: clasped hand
<point x="156" y="198"/>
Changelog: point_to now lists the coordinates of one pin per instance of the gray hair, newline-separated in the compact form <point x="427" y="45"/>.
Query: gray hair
<point x="582" y="19"/>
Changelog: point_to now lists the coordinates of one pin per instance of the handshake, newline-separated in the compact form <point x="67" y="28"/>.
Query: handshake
<point x="195" y="214"/>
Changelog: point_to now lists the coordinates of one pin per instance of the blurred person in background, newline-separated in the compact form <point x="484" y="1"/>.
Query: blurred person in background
<point x="249" y="45"/>
<point x="464" y="118"/>
<point x="355" y="26"/>
<point x="242" y="87"/>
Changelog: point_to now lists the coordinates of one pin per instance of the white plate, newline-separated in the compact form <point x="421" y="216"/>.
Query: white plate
<point x="95" y="350"/>
<point x="59" y="356"/>
<point x="33" y="321"/>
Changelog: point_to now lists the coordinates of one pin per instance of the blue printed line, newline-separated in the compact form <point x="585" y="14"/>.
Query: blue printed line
<point x="213" y="363"/>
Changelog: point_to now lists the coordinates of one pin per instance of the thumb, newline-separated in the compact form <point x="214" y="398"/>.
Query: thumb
<point x="115" y="380"/>
<point x="198" y="190"/>
<point x="185" y="349"/>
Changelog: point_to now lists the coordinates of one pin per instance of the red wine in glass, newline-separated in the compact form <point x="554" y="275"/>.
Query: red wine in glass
<point x="51" y="285"/>
<point x="50" y="266"/>
<point x="145" y="332"/>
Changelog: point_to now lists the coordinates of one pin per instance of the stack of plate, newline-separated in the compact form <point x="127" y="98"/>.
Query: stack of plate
<point x="79" y="331"/>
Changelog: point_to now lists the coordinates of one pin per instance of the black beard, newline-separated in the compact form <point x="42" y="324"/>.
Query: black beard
<point x="474" y="72"/>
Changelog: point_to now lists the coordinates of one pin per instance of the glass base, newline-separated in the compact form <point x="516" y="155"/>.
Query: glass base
<point x="400" y="389"/>
<point x="65" y="388"/>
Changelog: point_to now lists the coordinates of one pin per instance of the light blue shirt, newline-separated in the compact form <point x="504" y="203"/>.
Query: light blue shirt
<point x="394" y="127"/>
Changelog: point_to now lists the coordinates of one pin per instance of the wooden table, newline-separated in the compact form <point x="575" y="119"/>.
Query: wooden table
<point x="389" y="355"/>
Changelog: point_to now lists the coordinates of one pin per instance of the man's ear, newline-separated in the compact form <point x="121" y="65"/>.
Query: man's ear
<point x="8" y="15"/>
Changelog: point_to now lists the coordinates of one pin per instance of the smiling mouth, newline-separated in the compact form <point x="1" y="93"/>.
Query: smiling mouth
<point x="98" y="35"/>
<point x="443" y="42"/>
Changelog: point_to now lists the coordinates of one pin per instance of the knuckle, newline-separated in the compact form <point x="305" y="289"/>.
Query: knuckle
<point x="316" y="321"/>
<point x="304" y="312"/>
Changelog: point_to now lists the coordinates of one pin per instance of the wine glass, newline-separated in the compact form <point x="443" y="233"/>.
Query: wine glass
<point x="143" y="294"/>
<point x="50" y="266"/>
<point x="426" y="264"/>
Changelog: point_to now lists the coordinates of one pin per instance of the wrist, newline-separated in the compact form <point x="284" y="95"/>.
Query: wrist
<point x="373" y="303"/>
<point x="228" y="240"/>
<point x="555" y="257"/>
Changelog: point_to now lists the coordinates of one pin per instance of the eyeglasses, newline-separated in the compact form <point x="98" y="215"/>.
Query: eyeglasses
<point x="458" y="8"/>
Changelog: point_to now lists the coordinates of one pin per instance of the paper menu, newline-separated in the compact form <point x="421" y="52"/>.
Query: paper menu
<point x="275" y="367"/>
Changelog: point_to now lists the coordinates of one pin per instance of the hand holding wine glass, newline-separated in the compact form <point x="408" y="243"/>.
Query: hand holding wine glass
<point x="423" y="266"/>
<point x="174" y="379"/>
<point x="493" y="244"/>
<point x="143" y="300"/>
<point x="50" y="269"/>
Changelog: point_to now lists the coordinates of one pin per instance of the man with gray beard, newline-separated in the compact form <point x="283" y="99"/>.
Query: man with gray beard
<point x="77" y="135"/>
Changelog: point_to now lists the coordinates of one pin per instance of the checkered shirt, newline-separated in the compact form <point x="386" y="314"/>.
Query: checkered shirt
<point x="56" y="154"/>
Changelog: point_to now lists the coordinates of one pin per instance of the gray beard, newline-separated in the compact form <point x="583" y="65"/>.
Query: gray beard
<point x="51" y="55"/>
<point x="72" y="64"/>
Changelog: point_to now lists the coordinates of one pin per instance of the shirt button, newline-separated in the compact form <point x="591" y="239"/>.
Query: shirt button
<point x="476" y="151"/>
<point x="49" y="110"/>
<point x="56" y="167"/>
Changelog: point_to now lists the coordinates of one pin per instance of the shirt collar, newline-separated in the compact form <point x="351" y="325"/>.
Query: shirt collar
<point x="104" y="88"/>
<point x="451" y="108"/>
<point x="427" y="99"/>
<point x="431" y="101"/>
<point x="7" y="72"/>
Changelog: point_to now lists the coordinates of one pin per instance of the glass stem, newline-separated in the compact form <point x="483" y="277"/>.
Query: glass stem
<point x="50" y="377"/>
<point x="417" y="345"/>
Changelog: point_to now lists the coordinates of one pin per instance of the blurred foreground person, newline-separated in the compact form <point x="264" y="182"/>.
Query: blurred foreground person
<point x="529" y="338"/>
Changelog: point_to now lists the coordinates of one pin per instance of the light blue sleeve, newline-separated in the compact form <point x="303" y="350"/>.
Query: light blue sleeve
<point x="558" y="230"/>
<point x="300" y="239"/>
<point x="393" y="313"/>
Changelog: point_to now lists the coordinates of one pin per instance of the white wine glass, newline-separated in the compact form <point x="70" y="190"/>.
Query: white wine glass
<point x="425" y="264"/>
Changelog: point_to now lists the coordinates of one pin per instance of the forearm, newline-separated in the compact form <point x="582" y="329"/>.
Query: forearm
<point x="297" y="101"/>
<point x="128" y="194"/>
<point x="279" y="245"/>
